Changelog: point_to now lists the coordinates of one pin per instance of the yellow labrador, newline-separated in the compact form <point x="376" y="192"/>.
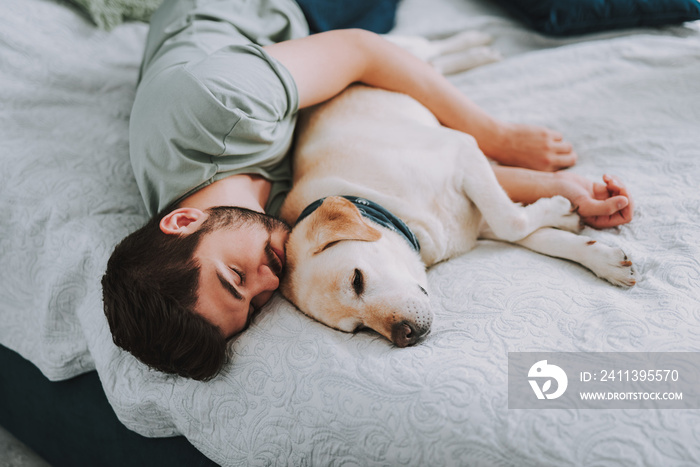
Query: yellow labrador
<point x="382" y="191"/>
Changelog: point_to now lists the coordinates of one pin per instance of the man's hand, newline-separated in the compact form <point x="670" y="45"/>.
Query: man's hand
<point x="600" y="205"/>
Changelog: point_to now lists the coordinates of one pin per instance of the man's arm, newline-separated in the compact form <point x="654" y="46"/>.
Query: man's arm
<point x="322" y="65"/>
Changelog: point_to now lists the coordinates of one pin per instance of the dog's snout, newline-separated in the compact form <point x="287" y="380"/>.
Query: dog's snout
<point x="412" y="322"/>
<point x="405" y="333"/>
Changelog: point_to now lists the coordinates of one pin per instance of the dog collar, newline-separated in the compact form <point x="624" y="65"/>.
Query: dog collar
<point x="373" y="212"/>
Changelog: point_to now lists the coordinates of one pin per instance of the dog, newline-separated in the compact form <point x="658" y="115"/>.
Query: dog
<point x="382" y="191"/>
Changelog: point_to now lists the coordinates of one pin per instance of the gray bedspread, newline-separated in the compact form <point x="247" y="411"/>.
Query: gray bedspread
<point x="298" y="393"/>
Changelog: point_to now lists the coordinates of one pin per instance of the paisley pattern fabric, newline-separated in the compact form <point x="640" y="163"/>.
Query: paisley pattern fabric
<point x="298" y="393"/>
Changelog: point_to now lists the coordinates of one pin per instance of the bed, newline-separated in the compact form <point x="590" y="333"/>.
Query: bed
<point x="296" y="392"/>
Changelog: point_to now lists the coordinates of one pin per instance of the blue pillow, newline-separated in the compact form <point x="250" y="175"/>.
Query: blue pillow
<point x="573" y="17"/>
<point x="374" y="15"/>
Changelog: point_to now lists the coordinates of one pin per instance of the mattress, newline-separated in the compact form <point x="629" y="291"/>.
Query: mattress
<point x="70" y="423"/>
<point x="298" y="393"/>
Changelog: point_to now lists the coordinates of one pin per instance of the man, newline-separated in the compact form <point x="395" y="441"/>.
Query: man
<point x="211" y="127"/>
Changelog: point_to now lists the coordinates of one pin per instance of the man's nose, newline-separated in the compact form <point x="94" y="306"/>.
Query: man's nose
<point x="268" y="280"/>
<point x="265" y="284"/>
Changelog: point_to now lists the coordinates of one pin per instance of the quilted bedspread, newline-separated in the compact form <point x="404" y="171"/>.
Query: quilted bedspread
<point x="299" y="393"/>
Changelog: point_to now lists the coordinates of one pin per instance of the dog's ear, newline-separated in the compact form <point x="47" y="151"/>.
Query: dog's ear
<point x="338" y="219"/>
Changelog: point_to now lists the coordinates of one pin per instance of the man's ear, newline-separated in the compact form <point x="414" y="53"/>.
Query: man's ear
<point x="182" y="221"/>
<point x="338" y="219"/>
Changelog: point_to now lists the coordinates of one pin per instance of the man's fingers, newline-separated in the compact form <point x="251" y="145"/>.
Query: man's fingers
<point x="627" y="212"/>
<point x="563" y="161"/>
<point x="611" y="206"/>
<point x="612" y="180"/>
<point x="616" y="187"/>
<point x="607" y="207"/>
<point x="556" y="136"/>
<point x="597" y="222"/>
<point x="600" y="191"/>
<point x="562" y="147"/>
<point x="603" y="222"/>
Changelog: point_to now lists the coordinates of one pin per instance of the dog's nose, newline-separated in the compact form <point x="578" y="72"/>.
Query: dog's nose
<point x="405" y="333"/>
<point x="414" y="321"/>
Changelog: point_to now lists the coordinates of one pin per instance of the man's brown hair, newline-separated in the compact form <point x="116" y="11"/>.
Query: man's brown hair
<point x="149" y="292"/>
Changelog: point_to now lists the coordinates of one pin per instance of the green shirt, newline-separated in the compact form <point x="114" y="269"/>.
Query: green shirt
<point x="211" y="102"/>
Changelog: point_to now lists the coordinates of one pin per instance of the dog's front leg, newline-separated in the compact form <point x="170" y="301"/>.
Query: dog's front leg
<point x="507" y="220"/>
<point x="606" y="262"/>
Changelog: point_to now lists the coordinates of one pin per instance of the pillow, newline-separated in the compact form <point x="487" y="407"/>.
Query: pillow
<point x="572" y="17"/>
<point x="110" y="13"/>
<point x="374" y="15"/>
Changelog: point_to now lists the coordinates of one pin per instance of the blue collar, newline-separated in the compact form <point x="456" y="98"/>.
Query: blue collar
<point x="373" y="212"/>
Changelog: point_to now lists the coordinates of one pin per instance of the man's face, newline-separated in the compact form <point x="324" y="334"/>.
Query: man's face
<point x="241" y="261"/>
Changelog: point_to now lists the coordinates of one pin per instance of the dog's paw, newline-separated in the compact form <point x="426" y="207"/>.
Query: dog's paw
<point x="611" y="264"/>
<point x="462" y="41"/>
<point x="416" y="45"/>
<point x="459" y="62"/>
<point x="557" y="212"/>
<point x="453" y="54"/>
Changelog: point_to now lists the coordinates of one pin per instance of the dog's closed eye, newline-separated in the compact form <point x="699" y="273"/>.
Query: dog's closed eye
<point x="358" y="282"/>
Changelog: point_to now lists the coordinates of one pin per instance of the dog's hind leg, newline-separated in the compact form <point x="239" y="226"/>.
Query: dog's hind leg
<point x="459" y="62"/>
<point x="460" y="42"/>
<point x="606" y="262"/>
<point x="507" y="220"/>
<point x="462" y="52"/>
<point x="453" y="54"/>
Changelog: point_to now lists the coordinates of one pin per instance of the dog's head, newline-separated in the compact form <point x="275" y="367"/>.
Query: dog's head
<point x="349" y="273"/>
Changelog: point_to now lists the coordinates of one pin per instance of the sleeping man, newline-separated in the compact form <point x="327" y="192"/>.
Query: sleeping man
<point x="210" y="132"/>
